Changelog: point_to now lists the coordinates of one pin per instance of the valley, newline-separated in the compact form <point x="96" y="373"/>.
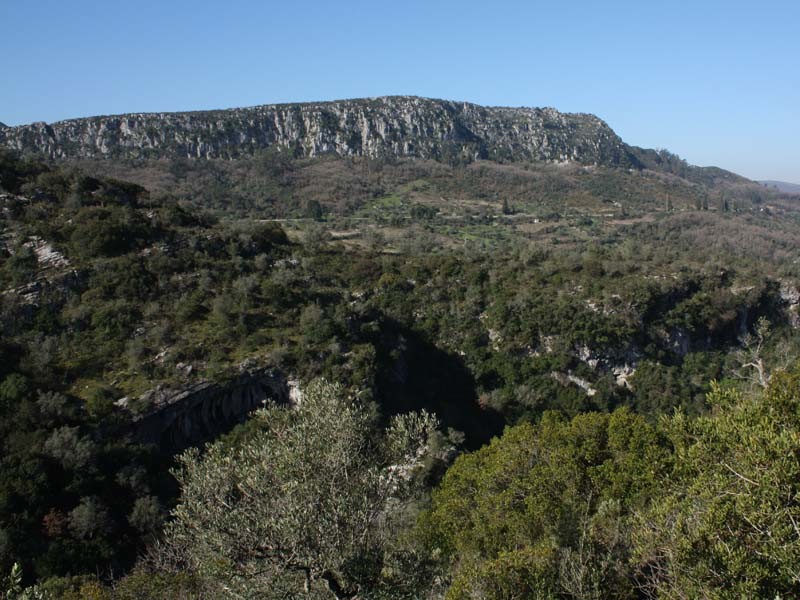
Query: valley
<point x="522" y="276"/>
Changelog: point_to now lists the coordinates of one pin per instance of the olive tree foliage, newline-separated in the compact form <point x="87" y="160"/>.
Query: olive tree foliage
<point x="11" y="587"/>
<point x="754" y="364"/>
<point x="305" y="506"/>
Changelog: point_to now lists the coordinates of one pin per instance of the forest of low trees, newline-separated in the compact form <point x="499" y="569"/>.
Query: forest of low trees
<point x="598" y="412"/>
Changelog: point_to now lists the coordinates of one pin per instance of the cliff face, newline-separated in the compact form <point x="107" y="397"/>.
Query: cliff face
<point x="390" y="126"/>
<point x="200" y="412"/>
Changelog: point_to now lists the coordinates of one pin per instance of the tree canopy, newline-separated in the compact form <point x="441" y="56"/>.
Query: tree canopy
<point x="609" y="506"/>
<point x="306" y="503"/>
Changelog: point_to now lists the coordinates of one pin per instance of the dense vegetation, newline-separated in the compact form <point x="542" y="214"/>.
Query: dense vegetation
<point x="607" y="506"/>
<point x="489" y="295"/>
<point x="271" y="183"/>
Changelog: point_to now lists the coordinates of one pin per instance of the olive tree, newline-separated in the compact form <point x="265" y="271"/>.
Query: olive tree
<point x="305" y="505"/>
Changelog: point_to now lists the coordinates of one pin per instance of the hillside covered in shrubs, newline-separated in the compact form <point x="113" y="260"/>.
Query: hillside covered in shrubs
<point x="553" y="381"/>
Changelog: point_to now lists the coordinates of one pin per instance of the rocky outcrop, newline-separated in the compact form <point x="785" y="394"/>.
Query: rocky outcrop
<point x="48" y="258"/>
<point x="567" y="378"/>
<point x="178" y="418"/>
<point x="390" y="126"/>
<point x="790" y="296"/>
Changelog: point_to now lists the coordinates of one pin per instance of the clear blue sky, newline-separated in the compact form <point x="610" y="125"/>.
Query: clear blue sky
<point x="717" y="82"/>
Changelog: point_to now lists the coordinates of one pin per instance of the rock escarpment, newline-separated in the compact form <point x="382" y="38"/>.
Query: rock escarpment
<point x="178" y="418"/>
<point x="396" y="126"/>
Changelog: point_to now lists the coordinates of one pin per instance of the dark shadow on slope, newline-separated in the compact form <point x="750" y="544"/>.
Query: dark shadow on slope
<point x="414" y="374"/>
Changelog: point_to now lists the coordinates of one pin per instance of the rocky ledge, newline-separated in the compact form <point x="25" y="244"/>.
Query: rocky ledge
<point x="176" y="418"/>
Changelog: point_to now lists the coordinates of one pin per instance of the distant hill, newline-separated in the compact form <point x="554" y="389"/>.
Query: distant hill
<point x="392" y="126"/>
<point x="783" y="186"/>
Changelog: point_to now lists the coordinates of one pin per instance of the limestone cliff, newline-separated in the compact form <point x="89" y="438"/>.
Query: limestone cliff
<point x="394" y="126"/>
<point x="197" y="413"/>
